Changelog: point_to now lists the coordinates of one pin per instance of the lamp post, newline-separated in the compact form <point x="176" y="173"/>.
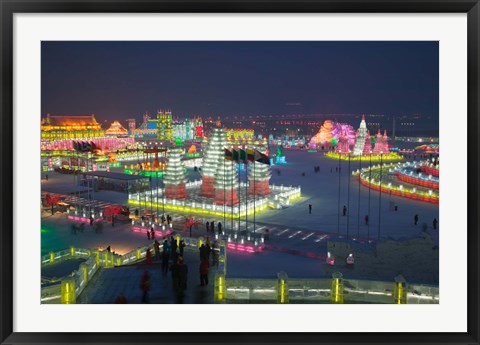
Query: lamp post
<point x="338" y="208"/>
<point x="380" y="196"/>
<point x="151" y="187"/>
<point x="358" y="213"/>
<point x="348" y="195"/>
<point x="163" y="188"/>
<point x="369" y="194"/>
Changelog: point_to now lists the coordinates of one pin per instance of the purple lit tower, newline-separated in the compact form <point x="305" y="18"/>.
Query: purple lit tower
<point x="385" y="142"/>
<point x="381" y="145"/>
<point x="368" y="144"/>
<point x="343" y="143"/>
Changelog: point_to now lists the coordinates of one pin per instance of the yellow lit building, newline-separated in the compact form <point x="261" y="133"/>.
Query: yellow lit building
<point x="70" y="127"/>
<point x="164" y="125"/>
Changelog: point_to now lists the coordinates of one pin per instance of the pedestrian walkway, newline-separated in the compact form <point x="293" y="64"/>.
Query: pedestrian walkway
<point x="109" y="282"/>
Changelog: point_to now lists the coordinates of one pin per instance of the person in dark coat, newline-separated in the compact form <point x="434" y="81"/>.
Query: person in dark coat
<point x="207" y="226"/>
<point x="435" y="222"/>
<point x="156" y="248"/>
<point x="174" y="245"/>
<point x="344" y="210"/>
<point x="208" y="251"/>
<point x="179" y="279"/>
<point x="166" y="246"/>
<point x="415" y="219"/>
<point x="219" y="226"/>
<point x="212" y="226"/>
<point x="204" y="272"/>
<point x="181" y="247"/>
<point x="203" y="252"/>
<point x="165" y="258"/>
<point x="309" y="208"/>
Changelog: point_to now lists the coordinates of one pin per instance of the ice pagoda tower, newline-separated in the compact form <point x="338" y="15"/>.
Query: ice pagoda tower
<point x="367" y="147"/>
<point x="361" y="136"/>
<point x="175" y="175"/>
<point x="226" y="183"/>
<point x="385" y="143"/>
<point x="380" y="146"/>
<point x="259" y="175"/>
<point x="214" y="152"/>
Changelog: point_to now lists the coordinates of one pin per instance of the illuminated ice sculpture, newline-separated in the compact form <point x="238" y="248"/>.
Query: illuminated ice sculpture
<point x="214" y="153"/>
<point x="259" y="176"/>
<point x="361" y="136"/>
<point x="226" y="183"/>
<point x="175" y="175"/>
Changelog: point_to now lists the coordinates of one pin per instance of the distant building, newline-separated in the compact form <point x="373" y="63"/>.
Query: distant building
<point x="148" y="128"/>
<point x="70" y="127"/>
<point x="116" y="130"/>
<point x="163" y="127"/>
<point x="131" y="126"/>
<point x="240" y="133"/>
<point x="188" y="129"/>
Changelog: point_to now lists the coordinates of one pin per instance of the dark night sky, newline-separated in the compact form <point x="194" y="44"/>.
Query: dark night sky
<point x="117" y="80"/>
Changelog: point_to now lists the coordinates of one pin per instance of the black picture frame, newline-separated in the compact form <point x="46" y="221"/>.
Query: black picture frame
<point x="9" y="8"/>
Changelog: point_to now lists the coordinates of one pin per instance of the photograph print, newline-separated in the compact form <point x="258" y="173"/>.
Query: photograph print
<point x="208" y="172"/>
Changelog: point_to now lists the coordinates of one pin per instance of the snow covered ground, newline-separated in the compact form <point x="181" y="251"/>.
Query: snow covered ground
<point x="321" y="191"/>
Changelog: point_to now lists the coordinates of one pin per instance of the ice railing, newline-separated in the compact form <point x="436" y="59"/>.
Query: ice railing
<point x="76" y="282"/>
<point x="395" y="188"/>
<point x="68" y="288"/>
<point x="251" y="290"/>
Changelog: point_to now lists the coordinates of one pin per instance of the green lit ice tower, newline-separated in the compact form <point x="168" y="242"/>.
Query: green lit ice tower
<point x="259" y="175"/>
<point x="226" y="183"/>
<point x="175" y="175"/>
<point x="217" y="141"/>
<point x="361" y="136"/>
<point x="164" y="125"/>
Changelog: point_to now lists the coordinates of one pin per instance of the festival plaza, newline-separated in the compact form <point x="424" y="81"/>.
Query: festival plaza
<point x="336" y="212"/>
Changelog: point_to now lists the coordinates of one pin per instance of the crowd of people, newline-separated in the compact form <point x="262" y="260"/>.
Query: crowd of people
<point x="170" y="255"/>
<point x="210" y="227"/>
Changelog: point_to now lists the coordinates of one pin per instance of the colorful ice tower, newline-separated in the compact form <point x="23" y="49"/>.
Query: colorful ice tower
<point x="175" y="175"/>
<point x="226" y="183"/>
<point x="343" y="146"/>
<point x="381" y="145"/>
<point x="367" y="147"/>
<point x="164" y="125"/>
<point x="214" y="152"/>
<point x="259" y="175"/>
<point x="280" y="156"/>
<point x="361" y="136"/>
